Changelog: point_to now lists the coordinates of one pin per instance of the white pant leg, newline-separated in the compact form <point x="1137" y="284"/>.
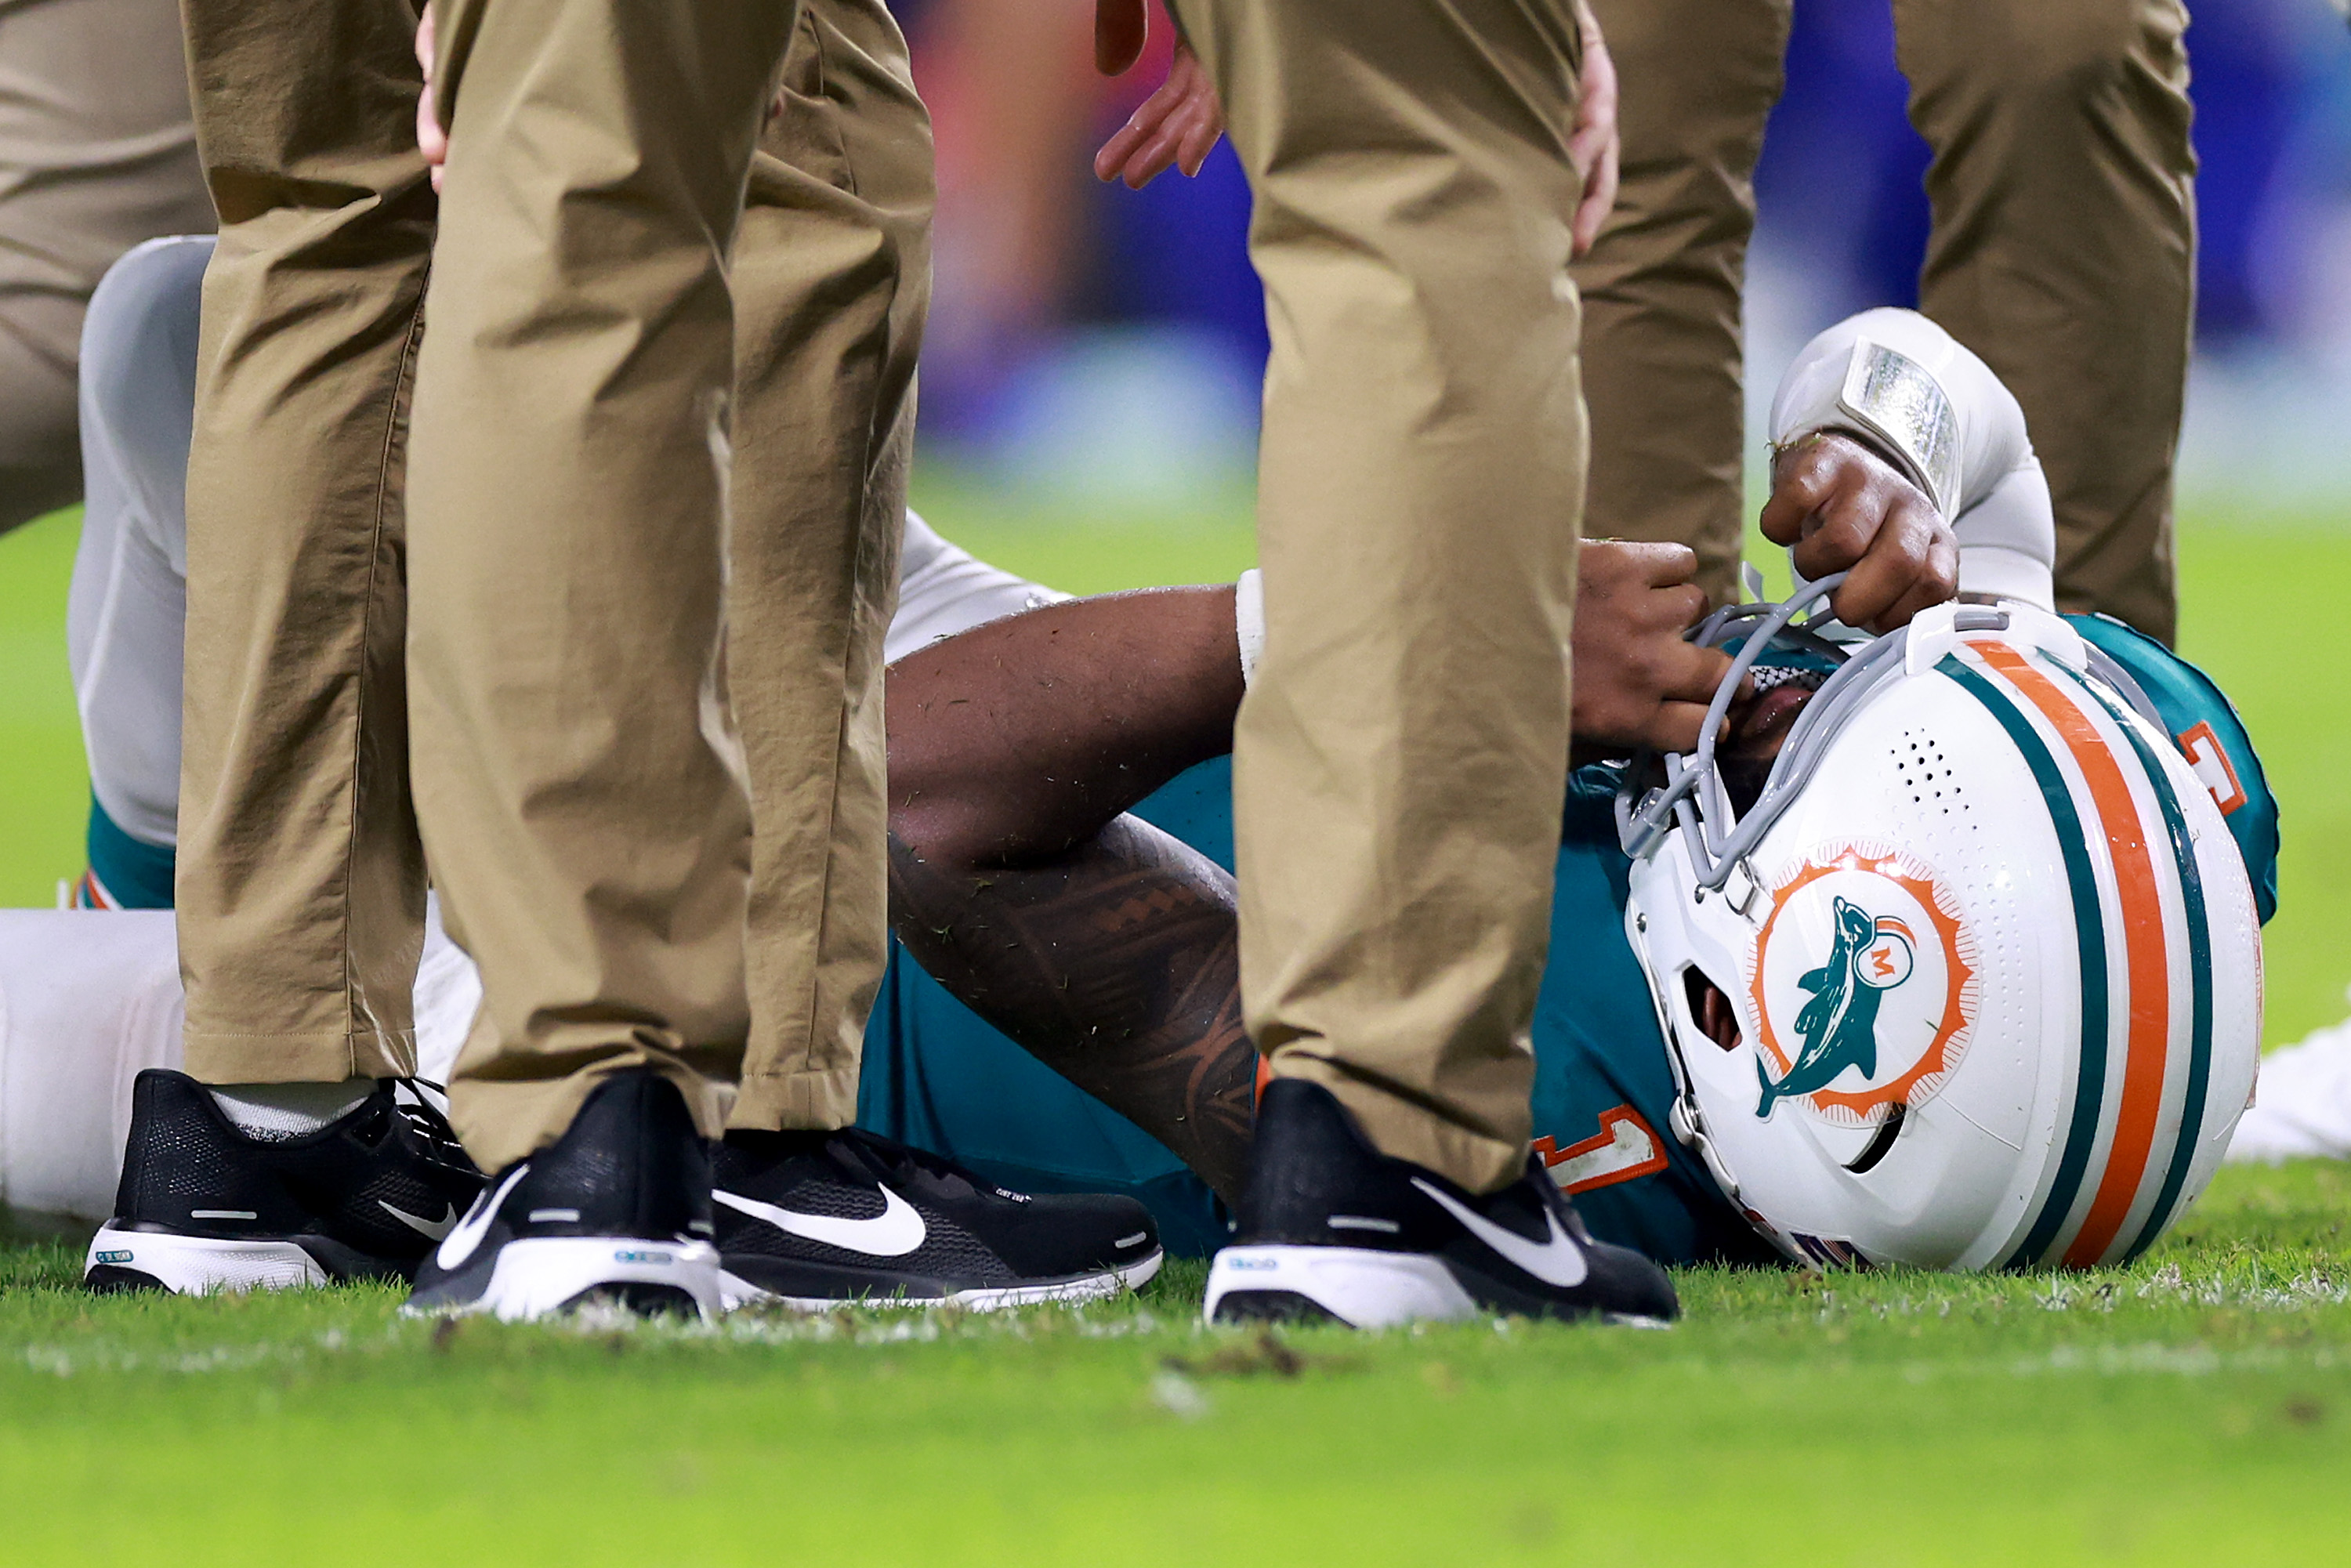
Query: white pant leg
<point x="88" y="998"/>
<point x="128" y="608"/>
<point x="448" y="993"/>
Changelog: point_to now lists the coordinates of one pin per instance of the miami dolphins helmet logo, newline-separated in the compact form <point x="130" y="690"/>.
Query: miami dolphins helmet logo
<point x="1839" y="1026"/>
<point x="1885" y="1016"/>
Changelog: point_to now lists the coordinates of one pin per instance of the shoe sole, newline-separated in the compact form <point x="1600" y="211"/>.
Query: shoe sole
<point x="542" y="1277"/>
<point x="737" y="1291"/>
<point x="121" y="1261"/>
<point x="1360" y="1287"/>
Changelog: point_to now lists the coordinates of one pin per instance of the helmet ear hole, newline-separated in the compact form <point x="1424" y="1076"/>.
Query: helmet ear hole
<point x="1880" y="1141"/>
<point x="1710" y="1008"/>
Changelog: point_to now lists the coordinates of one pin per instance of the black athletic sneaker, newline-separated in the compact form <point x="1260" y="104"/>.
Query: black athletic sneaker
<point x="817" y="1220"/>
<point x="617" y="1209"/>
<point x="205" y="1206"/>
<point x="1331" y="1228"/>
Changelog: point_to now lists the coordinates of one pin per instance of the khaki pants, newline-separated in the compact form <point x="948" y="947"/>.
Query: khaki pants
<point x="1400" y="762"/>
<point x="2063" y="252"/>
<point x="586" y="829"/>
<point x="96" y="153"/>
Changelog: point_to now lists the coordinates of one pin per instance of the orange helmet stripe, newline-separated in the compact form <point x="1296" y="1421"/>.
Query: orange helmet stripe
<point x="2147" y="963"/>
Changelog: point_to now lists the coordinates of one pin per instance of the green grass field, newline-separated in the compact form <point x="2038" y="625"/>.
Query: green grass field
<point x="2192" y="1408"/>
<point x="2195" y="1407"/>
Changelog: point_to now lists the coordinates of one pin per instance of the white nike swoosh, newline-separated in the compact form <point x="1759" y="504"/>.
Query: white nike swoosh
<point x="467" y="1233"/>
<point x="897" y="1231"/>
<point x="1556" y="1261"/>
<point x="431" y="1230"/>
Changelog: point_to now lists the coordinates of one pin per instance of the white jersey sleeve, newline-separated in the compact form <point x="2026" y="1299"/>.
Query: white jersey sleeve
<point x="943" y="590"/>
<point x="1913" y="393"/>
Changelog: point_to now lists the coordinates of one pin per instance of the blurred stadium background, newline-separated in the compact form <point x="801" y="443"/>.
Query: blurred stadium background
<point x="1096" y="348"/>
<point x="1089" y="418"/>
<point x="1091" y="381"/>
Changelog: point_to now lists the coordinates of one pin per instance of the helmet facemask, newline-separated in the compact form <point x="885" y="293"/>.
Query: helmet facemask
<point x="1715" y="803"/>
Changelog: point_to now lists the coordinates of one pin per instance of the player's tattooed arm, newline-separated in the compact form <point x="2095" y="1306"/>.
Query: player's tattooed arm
<point x="1102" y="945"/>
<point x="1020" y="739"/>
<point x="1116" y="964"/>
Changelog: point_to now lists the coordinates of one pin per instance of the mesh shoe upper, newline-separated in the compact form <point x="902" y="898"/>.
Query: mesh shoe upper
<point x="1316" y="1181"/>
<point x="918" y="1222"/>
<point x="631" y="1167"/>
<point x="385" y="1180"/>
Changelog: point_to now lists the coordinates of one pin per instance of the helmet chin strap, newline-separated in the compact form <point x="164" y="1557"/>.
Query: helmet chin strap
<point x="1693" y="800"/>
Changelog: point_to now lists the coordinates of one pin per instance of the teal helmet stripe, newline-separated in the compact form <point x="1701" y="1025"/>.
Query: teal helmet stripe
<point x="2090" y="937"/>
<point x="2200" y="973"/>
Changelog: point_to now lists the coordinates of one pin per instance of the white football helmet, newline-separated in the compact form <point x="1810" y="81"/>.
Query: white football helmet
<point x="1988" y="961"/>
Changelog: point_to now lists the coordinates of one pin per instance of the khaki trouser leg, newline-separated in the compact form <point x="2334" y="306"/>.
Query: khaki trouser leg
<point x="832" y="281"/>
<point x="587" y="830"/>
<point x="1400" y="762"/>
<point x="96" y="153"/>
<point x="1662" y="328"/>
<point x="301" y="884"/>
<point x="2064" y="252"/>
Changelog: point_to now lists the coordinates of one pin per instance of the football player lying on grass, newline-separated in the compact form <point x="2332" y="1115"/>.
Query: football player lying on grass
<point x="253" y="1186"/>
<point x="113" y="984"/>
<point x="117" y="981"/>
<point x="1946" y="954"/>
<point x="1106" y="944"/>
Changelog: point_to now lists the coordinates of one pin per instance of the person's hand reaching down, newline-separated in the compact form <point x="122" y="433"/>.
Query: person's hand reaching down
<point x="431" y="140"/>
<point x="1178" y="126"/>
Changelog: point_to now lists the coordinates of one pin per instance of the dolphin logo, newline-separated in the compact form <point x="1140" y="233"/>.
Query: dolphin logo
<point x="1839" y="1025"/>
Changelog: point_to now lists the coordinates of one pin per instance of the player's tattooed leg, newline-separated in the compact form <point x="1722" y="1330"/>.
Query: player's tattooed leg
<point x="1116" y="964"/>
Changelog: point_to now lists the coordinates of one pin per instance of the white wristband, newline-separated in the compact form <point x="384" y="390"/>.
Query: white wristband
<point x="1913" y="393"/>
<point x="1248" y="620"/>
<point x="1893" y="402"/>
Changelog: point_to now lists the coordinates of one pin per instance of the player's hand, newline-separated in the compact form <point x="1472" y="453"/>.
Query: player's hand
<point x="1844" y="509"/>
<point x="1637" y="682"/>
<point x="1594" y="145"/>
<point x="1178" y="126"/>
<point x="431" y="140"/>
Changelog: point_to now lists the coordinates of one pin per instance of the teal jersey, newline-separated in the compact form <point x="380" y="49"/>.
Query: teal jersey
<point x="128" y="874"/>
<point x="937" y="1076"/>
<point x="940" y="1077"/>
<point x="2204" y="725"/>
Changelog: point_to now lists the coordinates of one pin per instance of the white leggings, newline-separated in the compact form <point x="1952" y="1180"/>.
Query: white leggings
<point x="127" y="613"/>
<point x="128" y="609"/>
<point x="87" y="999"/>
